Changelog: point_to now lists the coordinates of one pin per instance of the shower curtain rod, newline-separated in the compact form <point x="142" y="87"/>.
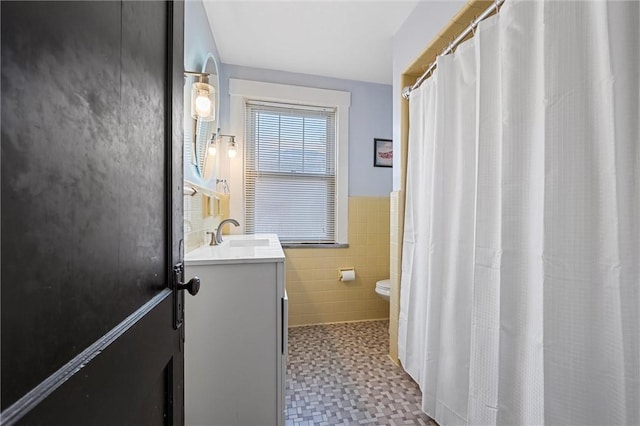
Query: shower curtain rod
<point x="406" y="92"/>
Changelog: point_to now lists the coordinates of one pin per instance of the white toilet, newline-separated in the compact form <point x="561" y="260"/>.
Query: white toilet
<point x="383" y="288"/>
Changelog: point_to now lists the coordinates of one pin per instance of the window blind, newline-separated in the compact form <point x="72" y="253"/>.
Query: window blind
<point x="290" y="176"/>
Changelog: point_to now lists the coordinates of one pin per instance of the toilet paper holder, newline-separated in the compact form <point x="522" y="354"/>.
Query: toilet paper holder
<point x="347" y="274"/>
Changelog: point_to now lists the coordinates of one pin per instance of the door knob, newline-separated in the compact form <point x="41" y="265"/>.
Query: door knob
<point x="192" y="286"/>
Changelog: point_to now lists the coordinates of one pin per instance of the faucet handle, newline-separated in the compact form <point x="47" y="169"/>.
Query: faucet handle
<point x="213" y="241"/>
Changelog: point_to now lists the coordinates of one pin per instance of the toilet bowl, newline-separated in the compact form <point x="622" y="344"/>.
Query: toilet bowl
<point x="383" y="288"/>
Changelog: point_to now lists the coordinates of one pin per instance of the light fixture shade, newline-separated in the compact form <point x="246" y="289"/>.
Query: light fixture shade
<point x="203" y="105"/>
<point x="213" y="142"/>
<point x="232" y="149"/>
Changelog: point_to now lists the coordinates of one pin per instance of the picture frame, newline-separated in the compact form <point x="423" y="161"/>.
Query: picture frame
<point x="382" y="152"/>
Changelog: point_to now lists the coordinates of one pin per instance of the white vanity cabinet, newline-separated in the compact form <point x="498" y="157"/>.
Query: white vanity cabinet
<point x="236" y="334"/>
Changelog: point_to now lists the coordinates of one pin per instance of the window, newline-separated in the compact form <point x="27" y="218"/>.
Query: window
<point x="290" y="173"/>
<point x="292" y="165"/>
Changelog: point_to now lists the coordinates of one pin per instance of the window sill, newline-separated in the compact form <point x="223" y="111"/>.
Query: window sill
<point x="314" y="245"/>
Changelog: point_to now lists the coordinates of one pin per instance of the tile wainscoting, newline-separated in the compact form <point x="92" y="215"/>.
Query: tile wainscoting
<point x="315" y="293"/>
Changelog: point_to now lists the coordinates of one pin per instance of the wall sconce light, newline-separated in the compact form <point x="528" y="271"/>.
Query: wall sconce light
<point x="232" y="148"/>
<point x="203" y="105"/>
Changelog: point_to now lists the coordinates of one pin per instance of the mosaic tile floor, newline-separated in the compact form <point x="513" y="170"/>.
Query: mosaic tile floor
<point x="341" y="374"/>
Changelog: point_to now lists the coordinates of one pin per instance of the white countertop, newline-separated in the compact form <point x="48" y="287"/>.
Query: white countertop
<point x="258" y="248"/>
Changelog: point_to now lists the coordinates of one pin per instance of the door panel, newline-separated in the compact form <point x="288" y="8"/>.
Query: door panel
<point x="138" y="405"/>
<point x="53" y="246"/>
<point x="91" y="207"/>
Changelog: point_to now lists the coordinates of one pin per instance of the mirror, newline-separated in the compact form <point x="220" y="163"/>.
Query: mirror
<point x="203" y="130"/>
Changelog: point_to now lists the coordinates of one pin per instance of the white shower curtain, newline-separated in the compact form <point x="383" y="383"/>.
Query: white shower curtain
<point x="520" y="292"/>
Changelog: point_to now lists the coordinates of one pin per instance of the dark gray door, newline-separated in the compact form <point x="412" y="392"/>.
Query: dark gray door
<point x="91" y="205"/>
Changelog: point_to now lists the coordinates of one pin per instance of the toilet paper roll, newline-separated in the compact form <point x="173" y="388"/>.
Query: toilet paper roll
<point x="347" y="275"/>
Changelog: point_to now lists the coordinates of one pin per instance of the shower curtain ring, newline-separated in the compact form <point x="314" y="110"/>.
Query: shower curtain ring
<point x="449" y="48"/>
<point x="474" y="24"/>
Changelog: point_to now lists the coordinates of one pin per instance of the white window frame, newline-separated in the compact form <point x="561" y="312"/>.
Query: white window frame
<point x="242" y="90"/>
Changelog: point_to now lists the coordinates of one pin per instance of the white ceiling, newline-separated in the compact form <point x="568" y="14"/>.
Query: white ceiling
<point x="332" y="38"/>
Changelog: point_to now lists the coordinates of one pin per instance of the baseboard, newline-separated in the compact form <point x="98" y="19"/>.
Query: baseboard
<point x="339" y="322"/>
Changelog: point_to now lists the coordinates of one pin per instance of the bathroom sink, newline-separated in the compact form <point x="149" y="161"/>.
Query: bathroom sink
<point x="238" y="248"/>
<point x="258" y="242"/>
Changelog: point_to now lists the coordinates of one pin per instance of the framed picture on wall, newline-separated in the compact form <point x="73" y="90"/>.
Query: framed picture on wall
<point x="382" y="152"/>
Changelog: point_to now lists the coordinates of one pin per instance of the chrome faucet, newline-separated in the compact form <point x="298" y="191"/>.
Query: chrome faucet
<point x="218" y="235"/>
